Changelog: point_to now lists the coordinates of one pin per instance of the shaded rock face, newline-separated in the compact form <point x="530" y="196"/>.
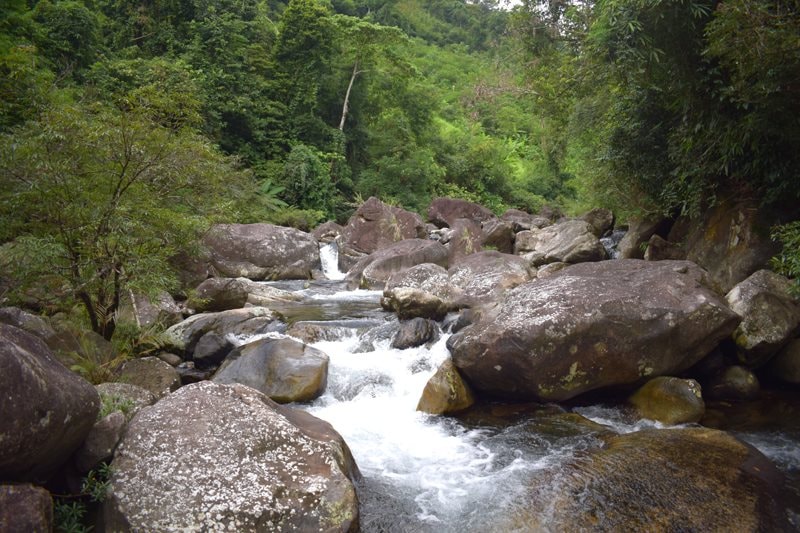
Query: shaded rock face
<point x="375" y="269"/>
<point x="415" y="332"/>
<point x="465" y="239"/>
<point x="731" y="241"/>
<point x="521" y="221"/>
<point x="376" y="225"/>
<point x="25" y="508"/>
<point x="639" y="232"/>
<point x="733" y="383"/>
<point x="262" y="251"/>
<point x="571" y="241"/>
<point x="152" y="374"/>
<point x="141" y="311"/>
<point x="659" y="249"/>
<point x="446" y="392"/>
<point x="14" y="316"/>
<point x="283" y="369"/>
<point x="692" y="479"/>
<point x="254" y="466"/>
<point x="600" y="219"/>
<point x="46" y="411"/>
<point x="786" y="365"/>
<point x="590" y="326"/>
<point x="445" y="211"/>
<point x="670" y="400"/>
<point x="770" y="316"/>
<point x="485" y="276"/>
<point x="498" y="234"/>
<point x="327" y="232"/>
<point x="132" y="397"/>
<point x="211" y="350"/>
<point x="101" y="442"/>
<point x="183" y="337"/>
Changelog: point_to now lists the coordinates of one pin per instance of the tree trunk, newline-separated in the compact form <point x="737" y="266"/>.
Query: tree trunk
<point x="346" y="106"/>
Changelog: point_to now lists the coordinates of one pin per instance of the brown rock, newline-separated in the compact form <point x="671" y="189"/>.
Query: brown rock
<point x="733" y="383"/>
<point x="415" y="332"/>
<point x="446" y="392"/>
<point x="152" y="374"/>
<point x="445" y="211"/>
<point x="639" y="232"/>
<point x="670" y="400"/>
<point x="659" y="250"/>
<point x="521" y="221"/>
<point x="101" y="442"/>
<point x="486" y="276"/>
<point x="412" y="303"/>
<point x="465" y="240"/>
<point x="571" y="241"/>
<point x="375" y="269"/>
<point x="786" y="365"/>
<point x="498" y="234"/>
<point x="600" y="219"/>
<point x="327" y="232"/>
<point x="376" y="225"/>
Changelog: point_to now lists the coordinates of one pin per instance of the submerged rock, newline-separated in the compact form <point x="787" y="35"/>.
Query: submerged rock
<point x="590" y="326"/>
<point x="215" y="457"/>
<point x="670" y="400"/>
<point x="446" y="392"/>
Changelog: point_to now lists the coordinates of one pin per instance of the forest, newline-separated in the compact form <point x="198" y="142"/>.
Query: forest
<point x="128" y="127"/>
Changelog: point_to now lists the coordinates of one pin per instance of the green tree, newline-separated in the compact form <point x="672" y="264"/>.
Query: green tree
<point x="96" y="201"/>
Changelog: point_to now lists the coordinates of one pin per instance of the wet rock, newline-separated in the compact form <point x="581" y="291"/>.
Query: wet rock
<point x="522" y="221"/>
<point x="571" y="241"/>
<point x="262" y="251"/>
<point x="687" y="479"/>
<point x="465" y="240"/>
<point x="327" y="232"/>
<point x="590" y="326"/>
<point x="376" y="225"/>
<point x="428" y="277"/>
<point x="639" y="232"/>
<point x="733" y="383"/>
<point x="670" y="400"/>
<point x="412" y="303"/>
<point x="485" y="276"/>
<point x="785" y="366"/>
<point x="254" y="466"/>
<point x="25" y="508"/>
<point x="211" y="350"/>
<point x="770" y="316"/>
<point x="126" y="398"/>
<point x="415" y="332"/>
<point x="384" y="333"/>
<point x="46" y="411"/>
<point x="445" y="211"/>
<point x="183" y="337"/>
<point x="152" y="374"/>
<point x="659" y="249"/>
<point x="311" y="332"/>
<point x="101" y="442"/>
<point x="375" y="269"/>
<point x="498" y="234"/>
<point x="600" y="219"/>
<point x="283" y="369"/>
<point x="34" y="324"/>
<point x="446" y="392"/>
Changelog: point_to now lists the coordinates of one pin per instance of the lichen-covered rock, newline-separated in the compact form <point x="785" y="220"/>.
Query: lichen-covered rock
<point x="785" y="366"/>
<point x="600" y="219"/>
<point x="262" y="251"/>
<point x="545" y="271"/>
<point x="283" y="369"/>
<point x="215" y="457"/>
<point x="375" y="269"/>
<point x="670" y="400"/>
<point x="221" y="294"/>
<point x="770" y="316"/>
<point x="571" y="241"/>
<point x="428" y="277"/>
<point x="152" y="374"/>
<point x="446" y="392"/>
<point x="445" y="211"/>
<point x="412" y="303"/>
<point x="682" y="479"/>
<point x="376" y="225"/>
<point x="46" y="410"/>
<point x="733" y="383"/>
<point x="485" y="276"/>
<point x="590" y="326"/>
<point x="101" y="442"/>
<point x="25" y="508"/>
<point x="183" y="337"/>
<point x="415" y="332"/>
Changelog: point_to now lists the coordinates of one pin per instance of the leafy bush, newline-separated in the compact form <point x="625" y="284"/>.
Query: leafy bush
<point x="788" y="261"/>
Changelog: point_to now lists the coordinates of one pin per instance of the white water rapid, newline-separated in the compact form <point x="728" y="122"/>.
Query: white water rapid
<point x="329" y="257"/>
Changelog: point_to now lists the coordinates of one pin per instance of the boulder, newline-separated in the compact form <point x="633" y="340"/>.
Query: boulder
<point x="670" y="400"/>
<point x="215" y="457"/>
<point x="126" y="398"/>
<point x="639" y="232"/>
<point x="211" y="350"/>
<point x="681" y="479"/>
<point x="770" y="316"/>
<point x="521" y="221"/>
<point x="221" y="294"/>
<point x="415" y="332"/>
<point x="600" y="219"/>
<point x="446" y="392"/>
<point x="189" y="373"/>
<point x="485" y="276"/>
<point x="571" y="241"/>
<point x="733" y="383"/>
<point x="465" y="239"/>
<point x="368" y="341"/>
<point x="376" y="225"/>
<point x="545" y="271"/>
<point x="328" y="330"/>
<point x="14" y="316"/>
<point x="731" y="241"/>
<point x="412" y="303"/>
<point x="659" y="249"/>
<point x="144" y="312"/>
<point x="445" y="211"/>
<point x="498" y="234"/>
<point x="283" y="369"/>
<point x="77" y="346"/>
<point x="590" y="326"/>
<point x="428" y="277"/>
<point x="262" y="251"/>
<point x="785" y="366"/>
<point x="170" y="358"/>
<point x="101" y="442"/>
<point x="46" y="411"/>
<point x="375" y="269"/>
<point x="151" y="374"/>
<point x="327" y="232"/>
<point x="183" y="337"/>
<point x="25" y="508"/>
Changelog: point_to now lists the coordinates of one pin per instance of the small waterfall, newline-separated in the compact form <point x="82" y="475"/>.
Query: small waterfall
<point x="329" y="257"/>
<point x="610" y="243"/>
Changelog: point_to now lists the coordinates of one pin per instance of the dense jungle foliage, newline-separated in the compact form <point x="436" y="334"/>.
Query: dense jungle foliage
<point x="127" y="126"/>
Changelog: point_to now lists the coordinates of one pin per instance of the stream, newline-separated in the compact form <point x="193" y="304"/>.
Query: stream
<point x="472" y="473"/>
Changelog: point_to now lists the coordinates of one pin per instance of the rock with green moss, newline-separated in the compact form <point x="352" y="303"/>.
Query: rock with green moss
<point x="670" y="400"/>
<point x="446" y="392"/>
<point x="733" y="383"/>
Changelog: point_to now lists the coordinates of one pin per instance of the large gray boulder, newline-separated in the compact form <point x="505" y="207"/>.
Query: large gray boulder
<point x="498" y="235"/>
<point x="427" y="277"/>
<point x="101" y="442"/>
<point x="590" y="326"/>
<point x="445" y="211"/>
<point x="375" y="269"/>
<point x="485" y="276"/>
<point x="600" y="219"/>
<point x="571" y="241"/>
<point x="770" y="316"/>
<point x="14" y="316"/>
<point x="46" y="410"/>
<point x="183" y="337"/>
<point x="283" y="369"/>
<point x="215" y="457"/>
<point x="221" y="294"/>
<point x="376" y="225"/>
<point x="262" y="251"/>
